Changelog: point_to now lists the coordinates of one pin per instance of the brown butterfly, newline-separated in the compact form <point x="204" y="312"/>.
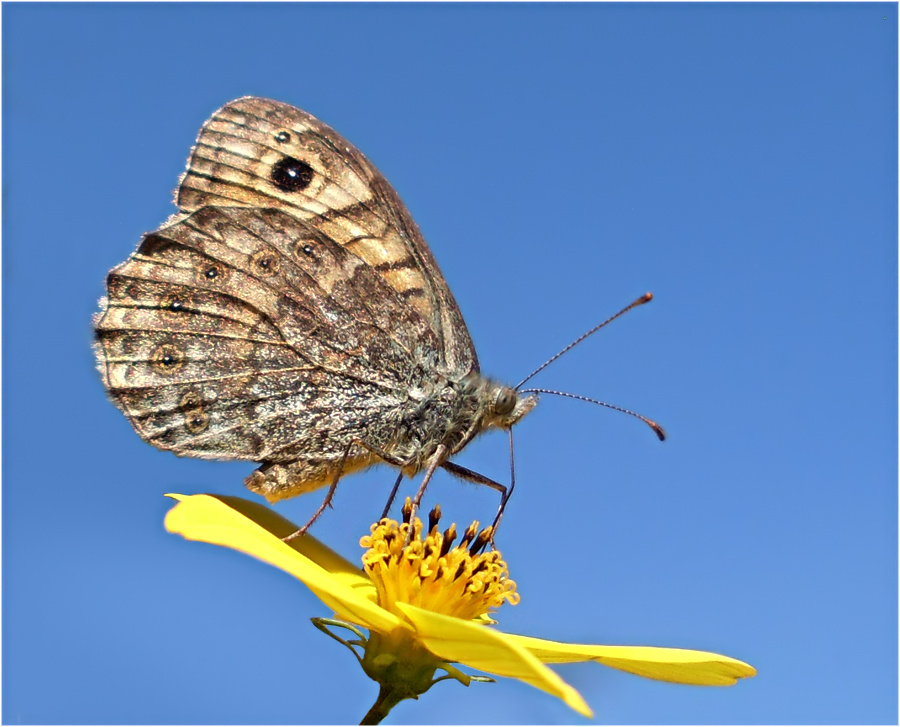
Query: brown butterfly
<point x="291" y="314"/>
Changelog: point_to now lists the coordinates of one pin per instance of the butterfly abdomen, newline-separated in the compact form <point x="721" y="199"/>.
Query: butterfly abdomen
<point x="276" y="481"/>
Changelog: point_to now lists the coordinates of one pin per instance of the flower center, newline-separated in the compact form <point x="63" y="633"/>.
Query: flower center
<point x="431" y="573"/>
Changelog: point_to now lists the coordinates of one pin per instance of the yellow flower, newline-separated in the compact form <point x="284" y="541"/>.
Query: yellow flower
<point x="426" y="605"/>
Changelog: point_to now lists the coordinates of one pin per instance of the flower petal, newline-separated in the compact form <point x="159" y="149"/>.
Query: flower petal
<point x="483" y="648"/>
<point x="681" y="666"/>
<point x="253" y="529"/>
<point x="337" y="565"/>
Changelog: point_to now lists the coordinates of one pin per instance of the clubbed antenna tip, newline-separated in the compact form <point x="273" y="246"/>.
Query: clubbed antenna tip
<point x="657" y="429"/>
<point x="645" y="298"/>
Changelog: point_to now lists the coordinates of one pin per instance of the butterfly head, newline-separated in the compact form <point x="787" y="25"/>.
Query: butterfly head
<point x="506" y="406"/>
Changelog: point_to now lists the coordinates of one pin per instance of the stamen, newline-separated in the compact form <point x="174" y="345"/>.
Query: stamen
<point x="449" y="537"/>
<point x="483" y="539"/>
<point x="460" y="570"/>
<point x="407" y="565"/>
<point x="433" y="517"/>
<point x="469" y="535"/>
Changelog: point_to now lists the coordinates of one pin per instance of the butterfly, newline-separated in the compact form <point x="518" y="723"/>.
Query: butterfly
<point x="291" y="314"/>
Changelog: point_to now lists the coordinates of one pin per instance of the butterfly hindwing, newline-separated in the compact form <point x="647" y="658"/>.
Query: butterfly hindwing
<point x="219" y="342"/>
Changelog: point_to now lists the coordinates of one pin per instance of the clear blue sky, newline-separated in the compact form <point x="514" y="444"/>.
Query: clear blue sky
<point x="740" y="161"/>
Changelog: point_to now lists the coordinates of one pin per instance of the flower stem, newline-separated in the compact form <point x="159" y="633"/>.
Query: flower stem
<point x="388" y="698"/>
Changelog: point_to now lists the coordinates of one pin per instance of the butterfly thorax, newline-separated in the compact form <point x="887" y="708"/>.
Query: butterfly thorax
<point x="452" y="413"/>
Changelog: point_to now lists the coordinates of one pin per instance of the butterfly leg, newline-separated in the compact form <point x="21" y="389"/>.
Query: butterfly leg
<point x="478" y="479"/>
<point x="508" y="493"/>
<point x="437" y="459"/>
<point x="390" y="459"/>
<point x="470" y="476"/>
<point x="326" y="503"/>
<point x="390" y="500"/>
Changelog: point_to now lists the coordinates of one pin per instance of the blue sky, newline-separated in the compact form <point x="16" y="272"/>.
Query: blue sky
<point x="740" y="161"/>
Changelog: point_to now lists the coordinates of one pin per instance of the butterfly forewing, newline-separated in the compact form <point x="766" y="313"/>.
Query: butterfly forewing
<point x="263" y="153"/>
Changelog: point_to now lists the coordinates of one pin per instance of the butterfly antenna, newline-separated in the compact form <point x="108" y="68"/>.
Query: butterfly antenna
<point x="660" y="432"/>
<point x="645" y="298"/>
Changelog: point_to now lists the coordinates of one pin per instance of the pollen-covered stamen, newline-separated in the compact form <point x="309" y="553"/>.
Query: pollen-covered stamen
<point x="449" y="537"/>
<point x="406" y="510"/>
<point x="433" y="517"/>
<point x="424" y="570"/>
<point x="481" y="540"/>
<point x="469" y="535"/>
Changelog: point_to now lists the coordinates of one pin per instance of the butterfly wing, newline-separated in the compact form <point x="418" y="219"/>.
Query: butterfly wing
<point x="260" y="153"/>
<point x="244" y="333"/>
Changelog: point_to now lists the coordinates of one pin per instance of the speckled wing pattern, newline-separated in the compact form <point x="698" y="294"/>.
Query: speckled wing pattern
<point x="285" y="312"/>
<point x="256" y="152"/>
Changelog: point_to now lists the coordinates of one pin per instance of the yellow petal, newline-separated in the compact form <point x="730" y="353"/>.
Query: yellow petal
<point x="253" y="529"/>
<point x="483" y="648"/>
<point x="682" y="666"/>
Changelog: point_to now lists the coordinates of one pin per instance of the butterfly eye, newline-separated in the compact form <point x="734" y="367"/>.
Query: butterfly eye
<point x="505" y="401"/>
<point x="282" y="137"/>
<point x="291" y="175"/>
